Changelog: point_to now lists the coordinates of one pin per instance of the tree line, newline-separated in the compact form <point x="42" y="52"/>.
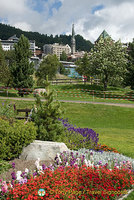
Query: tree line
<point x="7" y="31"/>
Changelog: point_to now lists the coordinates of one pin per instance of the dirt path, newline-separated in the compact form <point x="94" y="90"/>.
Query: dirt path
<point x="70" y="101"/>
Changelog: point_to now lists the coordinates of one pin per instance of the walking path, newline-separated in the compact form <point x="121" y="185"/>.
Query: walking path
<point x="70" y="101"/>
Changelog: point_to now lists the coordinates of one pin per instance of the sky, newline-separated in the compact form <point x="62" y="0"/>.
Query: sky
<point x="90" y="17"/>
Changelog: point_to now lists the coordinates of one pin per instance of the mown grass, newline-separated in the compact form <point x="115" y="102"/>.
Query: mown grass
<point x="114" y="124"/>
<point x="130" y="196"/>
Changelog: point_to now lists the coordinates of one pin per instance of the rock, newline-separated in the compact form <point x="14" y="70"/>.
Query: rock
<point x="45" y="150"/>
<point x="39" y="90"/>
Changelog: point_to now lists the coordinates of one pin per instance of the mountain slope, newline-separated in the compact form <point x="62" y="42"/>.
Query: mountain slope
<point x="7" y="31"/>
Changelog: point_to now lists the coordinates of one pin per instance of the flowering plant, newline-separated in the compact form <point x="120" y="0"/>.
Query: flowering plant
<point x="105" y="148"/>
<point x="76" y="138"/>
<point x="75" y="183"/>
<point x="72" y="176"/>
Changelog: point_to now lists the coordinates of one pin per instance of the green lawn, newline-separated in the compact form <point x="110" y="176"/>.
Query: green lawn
<point x="115" y="125"/>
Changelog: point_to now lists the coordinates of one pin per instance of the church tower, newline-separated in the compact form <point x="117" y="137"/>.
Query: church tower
<point x="73" y="41"/>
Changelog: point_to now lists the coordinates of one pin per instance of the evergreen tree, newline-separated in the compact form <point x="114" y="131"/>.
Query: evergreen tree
<point x="63" y="56"/>
<point x="5" y="74"/>
<point x="22" y="69"/>
<point x="46" y="114"/>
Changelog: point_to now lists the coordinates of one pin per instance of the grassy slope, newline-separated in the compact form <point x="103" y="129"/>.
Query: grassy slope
<point x="114" y="124"/>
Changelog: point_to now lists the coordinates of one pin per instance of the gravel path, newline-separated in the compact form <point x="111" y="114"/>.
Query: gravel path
<point x="70" y="101"/>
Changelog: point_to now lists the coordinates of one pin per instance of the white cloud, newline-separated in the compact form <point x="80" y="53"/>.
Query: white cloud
<point x="23" y="26"/>
<point x="115" y="16"/>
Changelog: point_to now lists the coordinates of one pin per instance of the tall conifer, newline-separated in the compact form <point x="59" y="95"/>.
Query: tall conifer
<point x="22" y="69"/>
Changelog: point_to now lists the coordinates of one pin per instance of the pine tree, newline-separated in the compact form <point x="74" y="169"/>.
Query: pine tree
<point x="22" y="69"/>
<point x="5" y="74"/>
<point x="45" y="115"/>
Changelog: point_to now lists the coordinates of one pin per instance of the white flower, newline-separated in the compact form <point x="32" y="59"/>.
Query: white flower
<point x="88" y="163"/>
<point x="18" y="174"/>
<point x="37" y="163"/>
<point x="26" y="170"/>
<point x="40" y="168"/>
<point x="58" y="156"/>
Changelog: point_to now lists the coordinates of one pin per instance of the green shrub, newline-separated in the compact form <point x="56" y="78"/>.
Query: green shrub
<point x="7" y="110"/>
<point x="4" y="166"/>
<point x="13" y="137"/>
<point x="45" y="115"/>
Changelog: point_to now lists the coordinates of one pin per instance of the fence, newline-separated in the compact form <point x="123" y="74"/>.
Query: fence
<point x="75" y="81"/>
<point x="78" y="93"/>
<point x="94" y="94"/>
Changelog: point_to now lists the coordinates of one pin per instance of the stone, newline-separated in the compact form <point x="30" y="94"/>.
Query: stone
<point x="45" y="150"/>
<point x="39" y="90"/>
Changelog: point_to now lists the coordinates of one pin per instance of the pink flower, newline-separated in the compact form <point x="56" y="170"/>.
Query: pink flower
<point x="4" y="187"/>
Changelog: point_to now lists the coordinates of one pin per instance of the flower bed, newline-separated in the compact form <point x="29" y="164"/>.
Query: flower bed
<point x="74" y="175"/>
<point x="75" y="183"/>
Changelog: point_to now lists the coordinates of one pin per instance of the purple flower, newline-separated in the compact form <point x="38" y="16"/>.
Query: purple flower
<point x="13" y="165"/>
<point x="90" y="138"/>
<point x="100" y="162"/>
<point x="44" y="167"/>
<point x="13" y="176"/>
<point x="35" y="173"/>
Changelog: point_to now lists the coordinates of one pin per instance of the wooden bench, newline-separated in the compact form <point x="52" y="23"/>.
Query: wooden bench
<point x="26" y="111"/>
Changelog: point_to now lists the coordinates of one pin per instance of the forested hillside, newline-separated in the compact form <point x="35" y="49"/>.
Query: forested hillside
<point x="7" y="31"/>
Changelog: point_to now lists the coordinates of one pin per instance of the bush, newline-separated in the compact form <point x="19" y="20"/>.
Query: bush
<point x="4" y="166"/>
<point x="13" y="137"/>
<point x="45" y="115"/>
<point x="7" y="110"/>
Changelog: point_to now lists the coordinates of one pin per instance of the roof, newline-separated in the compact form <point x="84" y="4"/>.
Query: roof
<point x="104" y="35"/>
<point x="14" y="37"/>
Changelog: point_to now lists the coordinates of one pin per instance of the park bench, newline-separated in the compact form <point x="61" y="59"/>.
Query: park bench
<point x="26" y="111"/>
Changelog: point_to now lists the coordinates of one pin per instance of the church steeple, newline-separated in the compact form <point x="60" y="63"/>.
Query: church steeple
<point x="73" y="41"/>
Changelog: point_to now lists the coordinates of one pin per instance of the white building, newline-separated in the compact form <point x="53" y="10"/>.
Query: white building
<point x="9" y="44"/>
<point x="56" y="49"/>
